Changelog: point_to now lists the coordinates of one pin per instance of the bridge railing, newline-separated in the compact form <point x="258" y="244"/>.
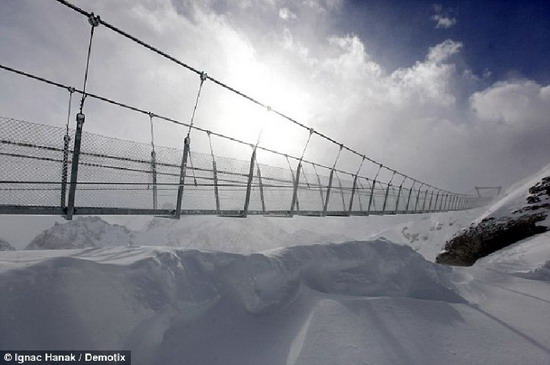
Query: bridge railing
<point x="120" y="177"/>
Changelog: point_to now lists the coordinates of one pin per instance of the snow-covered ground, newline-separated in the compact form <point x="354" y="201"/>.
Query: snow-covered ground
<point x="367" y="301"/>
<point x="351" y="303"/>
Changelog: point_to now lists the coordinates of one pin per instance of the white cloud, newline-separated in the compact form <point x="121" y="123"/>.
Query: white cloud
<point x="286" y="14"/>
<point x="519" y="103"/>
<point x="443" y="21"/>
<point x="443" y="17"/>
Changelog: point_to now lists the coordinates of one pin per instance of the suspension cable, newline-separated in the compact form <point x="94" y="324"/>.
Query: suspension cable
<point x="203" y="77"/>
<point x="311" y="131"/>
<point x="71" y="91"/>
<point x="219" y="83"/>
<point x="174" y="121"/>
<point x="151" y="115"/>
<point x="94" y="22"/>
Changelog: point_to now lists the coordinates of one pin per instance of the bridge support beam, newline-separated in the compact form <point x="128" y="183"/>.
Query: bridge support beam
<point x="183" y="168"/>
<point x="80" y="117"/>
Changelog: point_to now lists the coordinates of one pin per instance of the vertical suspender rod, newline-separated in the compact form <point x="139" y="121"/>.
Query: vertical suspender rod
<point x="153" y="162"/>
<point x="80" y="118"/>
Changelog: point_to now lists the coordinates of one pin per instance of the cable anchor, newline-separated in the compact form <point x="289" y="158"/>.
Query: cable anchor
<point x="93" y="20"/>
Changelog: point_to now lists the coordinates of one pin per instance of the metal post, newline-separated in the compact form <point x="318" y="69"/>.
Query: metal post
<point x="425" y="199"/>
<point x="330" y="181"/>
<point x="418" y="197"/>
<point x="66" y="142"/>
<point x="64" y="169"/>
<point x="328" y="191"/>
<point x="386" y="198"/>
<point x="397" y="201"/>
<point x="435" y="203"/>
<point x="409" y="198"/>
<point x="371" y="195"/>
<point x="215" y="174"/>
<point x="320" y="186"/>
<point x="296" y="182"/>
<point x="154" y="171"/>
<point x="355" y="185"/>
<point x="80" y="117"/>
<point x="186" y="147"/>
<point x="353" y="194"/>
<point x="216" y="191"/>
<point x="359" y="197"/>
<point x="249" y="184"/>
<point x="341" y="192"/>
<point x="153" y="161"/>
<point x="261" y="187"/>
<point x="431" y="199"/>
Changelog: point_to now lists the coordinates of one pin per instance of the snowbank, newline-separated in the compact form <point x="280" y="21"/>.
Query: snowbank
<point x="351" y="303"/>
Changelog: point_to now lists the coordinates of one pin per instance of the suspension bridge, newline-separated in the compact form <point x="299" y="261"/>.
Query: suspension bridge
<point x="55" y="170"/>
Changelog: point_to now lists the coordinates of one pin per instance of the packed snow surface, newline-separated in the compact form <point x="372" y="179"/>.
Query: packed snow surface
<point x="370" y="302"/>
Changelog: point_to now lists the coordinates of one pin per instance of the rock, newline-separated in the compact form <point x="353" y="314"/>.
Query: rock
<point x="492" y="234"/>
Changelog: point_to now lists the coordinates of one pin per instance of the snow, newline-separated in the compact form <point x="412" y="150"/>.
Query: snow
<point x="428" y="233"/>
<point x="165" y="291"/>
<point x="349" y="303"/>
<point x="515" y="197"/>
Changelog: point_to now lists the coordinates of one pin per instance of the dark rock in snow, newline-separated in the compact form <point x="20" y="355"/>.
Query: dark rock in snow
<point x="492" y="234"/>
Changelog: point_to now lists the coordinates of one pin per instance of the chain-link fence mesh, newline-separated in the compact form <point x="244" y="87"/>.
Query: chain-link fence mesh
<point x="121" y="174"/>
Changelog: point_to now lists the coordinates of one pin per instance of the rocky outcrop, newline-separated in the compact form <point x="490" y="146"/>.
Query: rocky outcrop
<point x="493" y="234"/>
<point x="81" y="233"/>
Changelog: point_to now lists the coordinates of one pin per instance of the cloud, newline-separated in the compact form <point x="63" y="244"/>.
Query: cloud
<point x="443" y="17"/>
<point x="419" y="119"/>
<point x="286" y="14"/>
<point x="517" y="103"/>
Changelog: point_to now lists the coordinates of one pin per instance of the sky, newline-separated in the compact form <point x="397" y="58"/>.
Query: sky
<point x="455" y="93"/>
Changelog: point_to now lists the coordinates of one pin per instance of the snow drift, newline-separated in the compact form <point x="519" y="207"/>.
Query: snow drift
<point x="350" y="303"/>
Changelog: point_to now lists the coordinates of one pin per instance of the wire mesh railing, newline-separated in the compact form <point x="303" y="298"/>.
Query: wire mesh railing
<point x="120" y="177"/>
